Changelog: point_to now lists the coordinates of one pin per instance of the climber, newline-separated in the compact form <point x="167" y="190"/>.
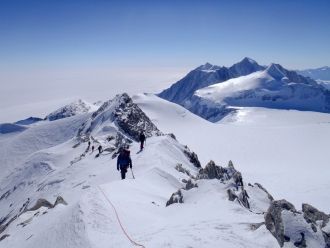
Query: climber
<point x="142" y="140"/>
<point x="92" y="148"/>
<point x="124" y="161"/>
<point x="100" y="149"/>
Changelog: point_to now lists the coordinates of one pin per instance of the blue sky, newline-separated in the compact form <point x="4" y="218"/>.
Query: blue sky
<point x="66" y="42"/>
<point x="294" y="33"/>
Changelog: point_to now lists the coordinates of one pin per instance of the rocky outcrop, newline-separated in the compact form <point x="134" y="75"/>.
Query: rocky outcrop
<point x="270" y="197"/>
<point x="125" y="114"/>
<point x="212" y="171"/>
<point x="307" y="228"/>
<point x="231" y="177"/>
<point x="301" y="229"/>
<point x="4" y="236"/>
<point x="176" y="197"/>
<point x="273" y="219"/>
<point x="231" y="195"/>
<point x="132" y="120"/>
<point x="313" y="215"/>
<point x="172" y="136"/>
<point x="190" y="184"/>
<point x="183" y="170"/>
<point x="241" y="196"/>
<point x="317" y="219"/>
<point x="59" y="200"/>
<point x="193" y="158"/>
<point x="44" y="203"/>
<point x="6" y="221"/>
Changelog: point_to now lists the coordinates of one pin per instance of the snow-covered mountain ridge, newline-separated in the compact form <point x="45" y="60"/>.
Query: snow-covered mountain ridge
<point x="271" y="87"/>
<point x="206" y="75"/>
<point x="74" y="108"/>
<point x="52" y="162"/>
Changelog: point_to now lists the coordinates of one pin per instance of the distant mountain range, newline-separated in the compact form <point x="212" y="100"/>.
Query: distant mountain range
<point x="212" y="91"/>
<point x="206" y="75"/>
<point x="322" y="73"/>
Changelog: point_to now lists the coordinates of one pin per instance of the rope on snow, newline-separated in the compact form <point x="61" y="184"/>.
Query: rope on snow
<point x="118" y="219"/>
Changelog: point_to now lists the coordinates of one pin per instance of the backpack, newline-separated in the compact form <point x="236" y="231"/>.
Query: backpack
<point x="127" y="153"/>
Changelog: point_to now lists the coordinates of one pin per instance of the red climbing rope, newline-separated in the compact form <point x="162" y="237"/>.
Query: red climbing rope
<point x="117" y="216"/>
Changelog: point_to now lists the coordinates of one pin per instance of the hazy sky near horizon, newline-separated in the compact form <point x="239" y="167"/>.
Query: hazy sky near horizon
<point x="95" y="49"/>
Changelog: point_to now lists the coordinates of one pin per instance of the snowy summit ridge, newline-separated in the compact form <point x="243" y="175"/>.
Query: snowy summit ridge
<point x="126" y="115"/>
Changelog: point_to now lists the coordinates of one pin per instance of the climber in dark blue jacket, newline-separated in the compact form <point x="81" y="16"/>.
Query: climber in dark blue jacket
<point x="124" y="161"/>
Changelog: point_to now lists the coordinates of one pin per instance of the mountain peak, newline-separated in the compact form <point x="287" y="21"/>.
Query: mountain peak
<point x="245" y="67"/>
<point x="275" y="70"/>
<point x="207" y="67"/>
<point x="248" y="60"/>
<point x="124" y="115"/>
<point x="74" y="108"/>
<point x="207" y="64"/>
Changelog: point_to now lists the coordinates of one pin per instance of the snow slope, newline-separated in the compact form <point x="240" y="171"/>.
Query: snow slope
<point x="89" y="220"/>
<point x="36" y="138"/>
<point x="284" y="150"/>
<point x="52" y="161"/>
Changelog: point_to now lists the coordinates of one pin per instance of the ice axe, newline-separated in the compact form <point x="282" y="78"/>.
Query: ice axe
<point x="132" y="173"/>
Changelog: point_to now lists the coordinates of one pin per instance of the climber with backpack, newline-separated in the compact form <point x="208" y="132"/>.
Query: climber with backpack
<point x="142" y="140"/>
<point x="100" y="149"/>
<point x="124" y="161"/>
